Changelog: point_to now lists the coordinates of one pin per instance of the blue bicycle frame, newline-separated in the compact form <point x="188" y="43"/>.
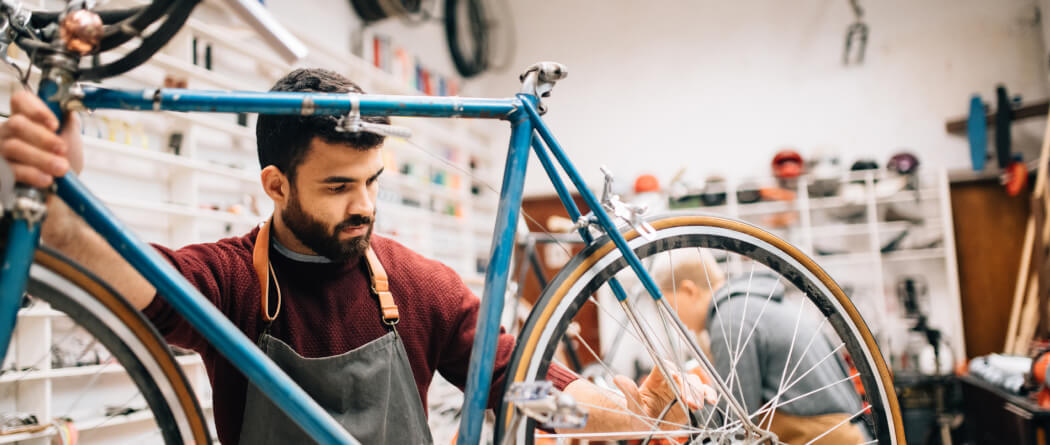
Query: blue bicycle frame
<point x="527" y="131"/>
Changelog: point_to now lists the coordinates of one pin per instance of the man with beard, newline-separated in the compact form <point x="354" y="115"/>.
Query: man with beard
<point x="359" y="321"/>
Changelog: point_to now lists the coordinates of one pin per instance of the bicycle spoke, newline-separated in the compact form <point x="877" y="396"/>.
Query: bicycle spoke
<point x="612" y="374"/>
<point x="658" y="363"/>
<point x="811" y="369"/>
<point x="623" y="327"/>
<point x="94" y="378"/>
<point x="734" y="361"/>
<point x="116" y="412"/>
<point x="751" y="333"/>
<point x="843" y="422"/>
<point x="794" y="369"/>
<point x="674" y="294"/>
<point x="608" y="436"/>
<point x="736" y="352"/>
<point x="743" y="316"/>
<point x="650" y="420"/>
<point x="783" y="373"/>
<point x="33" y="367"/>
<point x="767" y="407"/>
<point x="711" y="289"/>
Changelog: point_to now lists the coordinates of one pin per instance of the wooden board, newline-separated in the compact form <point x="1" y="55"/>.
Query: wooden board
<point x="989" y="235"/>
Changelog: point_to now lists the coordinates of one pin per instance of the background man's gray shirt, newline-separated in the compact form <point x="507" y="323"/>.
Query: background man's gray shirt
<point x="756" y="304"/>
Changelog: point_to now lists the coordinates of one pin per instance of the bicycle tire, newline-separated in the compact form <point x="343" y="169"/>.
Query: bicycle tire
<point x="129" y="337"/>
<point x="592" y="267"/>
<point x="473" y="61"/>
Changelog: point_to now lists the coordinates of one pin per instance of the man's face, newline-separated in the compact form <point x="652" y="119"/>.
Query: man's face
<point x="331" y="204"/>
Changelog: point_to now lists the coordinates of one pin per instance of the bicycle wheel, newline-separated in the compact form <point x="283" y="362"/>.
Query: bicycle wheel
<point x="97" y="334"/>
<point x="823" y="311"/>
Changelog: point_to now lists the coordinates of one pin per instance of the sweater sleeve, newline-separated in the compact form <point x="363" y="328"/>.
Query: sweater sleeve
<point x="208" y="267"/>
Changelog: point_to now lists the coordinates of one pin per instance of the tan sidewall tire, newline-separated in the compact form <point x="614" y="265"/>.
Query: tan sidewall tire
<point x="565" y="280"/>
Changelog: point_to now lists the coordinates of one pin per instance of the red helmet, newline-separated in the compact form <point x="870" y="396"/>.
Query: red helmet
<point x="787" y="164"/>
<point x="646" y="183"/>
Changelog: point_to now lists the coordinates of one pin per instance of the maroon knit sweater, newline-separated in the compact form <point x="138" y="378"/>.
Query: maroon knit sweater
<point x="327" y="309"/>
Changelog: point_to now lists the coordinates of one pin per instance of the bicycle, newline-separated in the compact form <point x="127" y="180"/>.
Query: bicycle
<point x="611" y="249"/>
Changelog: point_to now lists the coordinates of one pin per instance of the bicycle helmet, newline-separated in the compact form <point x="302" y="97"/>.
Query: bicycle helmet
<point x="1015" y="178"/>
<point x="903" y="163"/>
<point x="825" y="174"/>
<point x="646" y="183"/>
<point x="787" y="164"/>
<point x="748" y="193"/>
<point x="864" y="164"/>
<point x="714" y="191"/>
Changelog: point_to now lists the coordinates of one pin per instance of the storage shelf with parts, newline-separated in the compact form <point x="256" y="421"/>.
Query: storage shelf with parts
<point x="90" y="425"/>
<point x="56" y="370"/>
<point x="181" y="178"/>
<point x="871" y="230"/>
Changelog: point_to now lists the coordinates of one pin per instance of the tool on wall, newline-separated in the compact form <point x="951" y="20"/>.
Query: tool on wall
<point x="857" y="31"/>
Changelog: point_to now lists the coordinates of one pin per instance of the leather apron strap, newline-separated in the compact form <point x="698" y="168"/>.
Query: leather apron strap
<point x="264" y="272"/>
<point x="380" y="286"/>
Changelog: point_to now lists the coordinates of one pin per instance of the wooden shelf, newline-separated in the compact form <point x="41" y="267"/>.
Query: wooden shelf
<point x="1034" y="109"/>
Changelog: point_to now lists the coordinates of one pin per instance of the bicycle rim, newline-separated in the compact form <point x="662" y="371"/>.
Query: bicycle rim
<point x="92" y="314"/>
<point x="592" y="268"/>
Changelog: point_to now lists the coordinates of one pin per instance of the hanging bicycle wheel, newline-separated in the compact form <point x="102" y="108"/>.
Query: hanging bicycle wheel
<point x="467" y="31"/>
<point x="788" y="347"/>
<point x="83" y="354"/>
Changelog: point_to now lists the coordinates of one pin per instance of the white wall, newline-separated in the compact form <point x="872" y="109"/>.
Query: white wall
<point x="721" y="86"/>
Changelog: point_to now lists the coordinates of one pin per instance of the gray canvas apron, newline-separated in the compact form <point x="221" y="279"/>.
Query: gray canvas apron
<point x="370" y="390"/>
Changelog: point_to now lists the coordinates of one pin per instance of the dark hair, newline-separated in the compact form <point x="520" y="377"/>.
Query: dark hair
<point x="284" y="140"/>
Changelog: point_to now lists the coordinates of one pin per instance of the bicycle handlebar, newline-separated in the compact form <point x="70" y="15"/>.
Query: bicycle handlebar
<point x="41" y="33"/>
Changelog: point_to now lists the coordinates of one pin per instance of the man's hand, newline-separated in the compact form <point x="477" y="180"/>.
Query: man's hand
<point x="28" y="142"/>
<point x="37" y="155"/>
<point x="656" y="394"/>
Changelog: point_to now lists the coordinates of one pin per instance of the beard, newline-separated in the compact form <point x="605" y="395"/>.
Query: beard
<point x="318" y="237"/>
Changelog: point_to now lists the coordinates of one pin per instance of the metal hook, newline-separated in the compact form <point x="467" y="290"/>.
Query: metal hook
<point x="858" y="30"/>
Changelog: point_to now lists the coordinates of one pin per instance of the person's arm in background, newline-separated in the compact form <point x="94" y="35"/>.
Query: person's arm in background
<point x="638" y="407"/>
<point x="607" y="410"/>
<point x="28" y="142"/>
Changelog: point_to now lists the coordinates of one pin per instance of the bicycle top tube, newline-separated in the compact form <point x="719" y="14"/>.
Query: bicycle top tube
<point x="172" y="99"/>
